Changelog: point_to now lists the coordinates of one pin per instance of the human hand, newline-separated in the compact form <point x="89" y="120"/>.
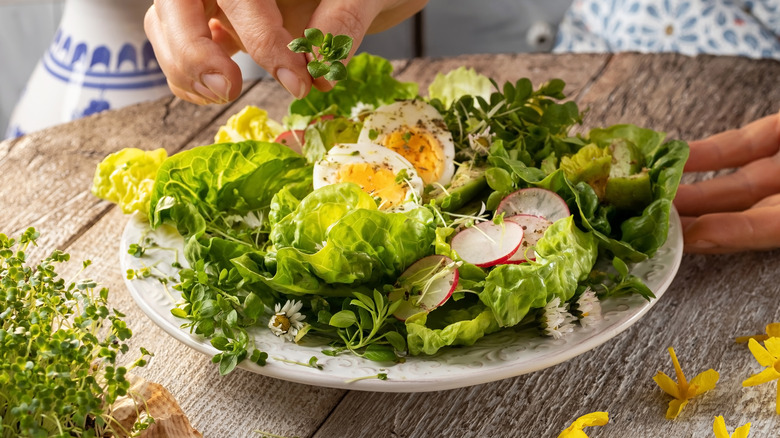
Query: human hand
<point x="739" y="211"/>
<point x="194" y="39"/>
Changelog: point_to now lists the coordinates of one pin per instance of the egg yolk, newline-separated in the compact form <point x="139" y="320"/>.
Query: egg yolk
<point x="421" y="148"/>
<point x="376" y="180"/>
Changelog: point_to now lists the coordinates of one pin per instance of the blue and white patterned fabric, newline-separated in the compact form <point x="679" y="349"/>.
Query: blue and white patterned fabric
<point x="723" y="27"/>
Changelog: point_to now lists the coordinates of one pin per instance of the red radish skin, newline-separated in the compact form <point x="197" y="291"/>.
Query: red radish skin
<point x="293" y="139"/>
<point x="533" y="230"/>
<point x="487" y="244"/>
<point x="440" y="289"/>
<point x="534" y="201"/>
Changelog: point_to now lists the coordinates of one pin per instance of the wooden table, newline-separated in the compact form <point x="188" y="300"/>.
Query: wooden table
<point x="46" y="181"/>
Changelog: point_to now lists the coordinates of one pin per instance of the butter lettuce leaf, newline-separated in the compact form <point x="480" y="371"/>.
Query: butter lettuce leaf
<point x="470" y="325"/>
<point x="564" y="257"/>
<point x="126" y="178"/>
<point x="251" y="123"/>
<point x="457" y="83"/>
<point x="306" y="228"/>
<point x="364" y="247"/>
<point x="225" y="177"/>
<point x="369" y="81"/>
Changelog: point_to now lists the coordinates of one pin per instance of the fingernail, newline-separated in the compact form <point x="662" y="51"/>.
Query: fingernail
<point x="218" y="84"/>
<point x="204" y="93"/>
<point x="291" y="82"/>
<point x="702" y="244"/>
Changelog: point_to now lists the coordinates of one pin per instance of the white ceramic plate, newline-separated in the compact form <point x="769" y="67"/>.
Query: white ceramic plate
<point x="507" y="353"/>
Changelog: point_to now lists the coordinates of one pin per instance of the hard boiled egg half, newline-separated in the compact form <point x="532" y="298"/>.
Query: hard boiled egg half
<point x="416" y="130"/>
<point x="379" y="171"/>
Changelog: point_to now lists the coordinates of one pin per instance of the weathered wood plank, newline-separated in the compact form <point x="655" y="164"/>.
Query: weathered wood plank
<point x="700" y="314"/>
<point x="52" y="170"/>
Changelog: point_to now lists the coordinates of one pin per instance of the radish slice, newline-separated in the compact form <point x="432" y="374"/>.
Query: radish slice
<point x="533" y="230"/>
<point x="487" y="244"/>
<point x="425" y="285"/>
<point x="293" y="139"/>
<point x="534" y="201"/>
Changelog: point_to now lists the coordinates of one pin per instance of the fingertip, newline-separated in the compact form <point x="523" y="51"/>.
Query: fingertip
<point x="297" y="85"/>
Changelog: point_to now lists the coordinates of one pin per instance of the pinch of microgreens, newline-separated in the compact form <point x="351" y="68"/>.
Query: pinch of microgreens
<point x="287" y="320"/>
<point x="588" y="308"/>
<point x="682" y="390"/>
<point x="768" y="357"/>
<point x="587" y="420"/>
<point x="556" y="320"/>
<point x="772" y="330"/>
<point x="719" y="427"/>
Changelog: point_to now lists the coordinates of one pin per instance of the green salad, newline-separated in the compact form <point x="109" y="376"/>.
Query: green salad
<point x="380" y="222"/>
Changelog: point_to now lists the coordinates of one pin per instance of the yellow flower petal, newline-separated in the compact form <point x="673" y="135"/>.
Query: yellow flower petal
<point x="767" y="375"/>
<point x="773" y="329"/>
<point x="678" y="370"/>
<point x="719" y="427"/>
<point x="587" y="420"/>
<point x="773" y="346"/>
<point x="763" y="357"/>
<point x="667" y="384"/>
<point x="572" y="434"/>
<point x="742" y="431"/>
<point x="777" y="400"/>
<point x="705" y="381"/>
<point x="592" y="419"/>
<point x="675" y="407"/>
<point x="746" y="339"/>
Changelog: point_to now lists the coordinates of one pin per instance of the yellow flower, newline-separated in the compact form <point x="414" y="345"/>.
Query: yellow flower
<point x="682" y="391"/>
<point x="772" y="330"/>
<point x="587" y="420"/>
<point x="768" y="357"/>
<point x="719" y="427"/>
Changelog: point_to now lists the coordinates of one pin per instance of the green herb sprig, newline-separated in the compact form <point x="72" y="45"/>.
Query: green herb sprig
<point x="59" y="348"/>
<point x="331" y="50"/>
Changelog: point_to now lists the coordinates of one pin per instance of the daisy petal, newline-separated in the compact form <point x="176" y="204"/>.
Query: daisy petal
<point x="767" y="375"/>
<point x="668" y="385"/>
<point x="760" y="353"/>
<point x="719" y="427"/>
<point x="705" y="381"/>
<point x="675" y="407"/>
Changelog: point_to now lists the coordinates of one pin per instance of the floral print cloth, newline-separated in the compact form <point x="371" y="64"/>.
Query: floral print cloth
<point x="725" y="27"/>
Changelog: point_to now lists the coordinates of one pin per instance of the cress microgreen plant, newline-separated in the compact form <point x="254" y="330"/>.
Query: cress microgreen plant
<point x="60" y="346"/>
<point x="327" y="50"/>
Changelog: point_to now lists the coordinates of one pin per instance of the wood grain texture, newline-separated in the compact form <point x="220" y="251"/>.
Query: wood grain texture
<point x="51" y="171"/>
<point x="712" y="300"/>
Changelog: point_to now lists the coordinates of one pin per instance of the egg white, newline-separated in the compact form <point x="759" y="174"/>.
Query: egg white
<point x="409" y="117"/>
<point x="341" y="156"/>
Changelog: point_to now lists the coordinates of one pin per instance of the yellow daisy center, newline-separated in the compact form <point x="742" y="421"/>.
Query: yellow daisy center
<point x="282" y="322"/>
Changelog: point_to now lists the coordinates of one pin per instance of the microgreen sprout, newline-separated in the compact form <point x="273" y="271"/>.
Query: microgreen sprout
<point x="380" y="376"/>
<point x="61" y="345"/>
<point x="313" y="362"/>
<point x="331" y="50"/>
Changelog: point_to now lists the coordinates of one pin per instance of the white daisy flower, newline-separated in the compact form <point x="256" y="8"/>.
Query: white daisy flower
<point x="556" y="320"/>
<point x="287" y="320"/>
<point x="481" y="142"/>
<point x="589" y="308"/>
